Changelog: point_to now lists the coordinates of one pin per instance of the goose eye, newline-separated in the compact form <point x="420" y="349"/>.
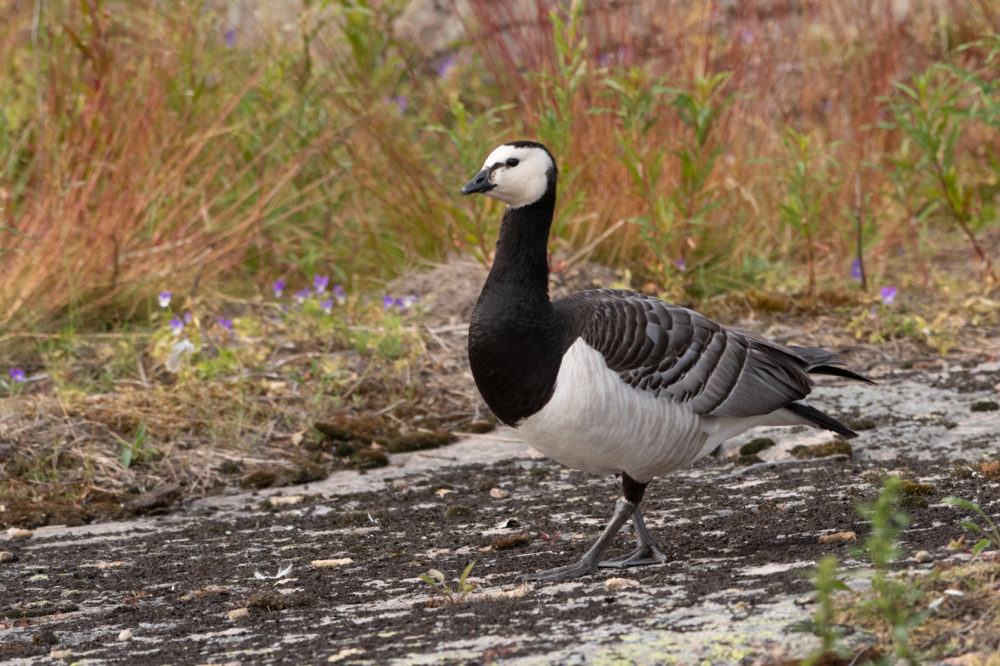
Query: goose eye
<point x="512" y="161"/>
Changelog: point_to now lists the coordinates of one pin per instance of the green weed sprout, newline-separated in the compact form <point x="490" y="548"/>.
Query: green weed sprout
<point x="436" y="580"/>
<point x="136" y="450"/>
<point x="991" y="533"/>
<point x="893" y="599"/>
<point x="825" y="582"/>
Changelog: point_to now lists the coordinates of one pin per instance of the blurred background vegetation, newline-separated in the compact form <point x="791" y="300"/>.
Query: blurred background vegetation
<point x="708" y="147"/>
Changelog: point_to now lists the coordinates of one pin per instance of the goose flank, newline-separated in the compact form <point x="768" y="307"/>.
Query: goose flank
<point x="613" y="381"/>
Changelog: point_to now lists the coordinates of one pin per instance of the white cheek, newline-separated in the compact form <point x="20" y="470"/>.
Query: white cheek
<point x="519" y="188"/>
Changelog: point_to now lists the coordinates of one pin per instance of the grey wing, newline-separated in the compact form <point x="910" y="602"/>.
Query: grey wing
<point x="674" y="352"/>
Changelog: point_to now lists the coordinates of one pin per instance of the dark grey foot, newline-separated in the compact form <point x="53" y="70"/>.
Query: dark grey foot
<point x="647" y="554"/>
<point x="575" y="570"/>
<point x="587" y="564"/>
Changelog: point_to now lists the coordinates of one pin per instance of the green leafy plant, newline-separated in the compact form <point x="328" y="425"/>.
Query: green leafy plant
<point x="675" y="215"/>
<point x="810" y="177"/>
<point x="136" y="450"/>
<point x="447" y="594"/>
<point x="930" y="111"/>
<point x="822" y="624"/>
<point x="893" y="600"/>
<point x="991" y="534"/>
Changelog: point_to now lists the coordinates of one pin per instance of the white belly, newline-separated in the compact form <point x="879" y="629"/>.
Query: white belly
<point x="597" y="423"/>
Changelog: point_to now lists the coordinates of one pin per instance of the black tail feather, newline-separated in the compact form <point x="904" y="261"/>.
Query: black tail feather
<point x="819" y="418"/>
<point x="838" y="371"/>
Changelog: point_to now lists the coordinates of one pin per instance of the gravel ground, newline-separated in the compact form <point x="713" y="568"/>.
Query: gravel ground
<point x="328" y="572"/>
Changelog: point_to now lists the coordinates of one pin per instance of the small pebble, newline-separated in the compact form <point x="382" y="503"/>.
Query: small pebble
<point x="620" y="583"/>
<point x="125" y="635"/>
<point x="498" y="493"/>
<point x="838" y="537"/>
<point x="238" y="613"/>
<point x="61" y="654"/>
<point x="6" y="556"/>
<point x="337" y="562"/>
<point x="19" y="533"/>
<point x="922" y="556"/>
<point x="344" y="654"/>
<point x="285" y="500"/>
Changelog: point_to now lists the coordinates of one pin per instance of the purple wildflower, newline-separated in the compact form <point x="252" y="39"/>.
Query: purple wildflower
<point x="888" y="295"/>
<point x="387" y="302"/>
<point x="856" y="270"/>
<point x="226" y="323"/>
<point x="176" y="326"/>
<point x="410" y="300"/>
<point x="681" y="265"/>
<point x="327" y="306"/>
<point x="278" y="287"/>
<point x="320" y="282"/>
<point x="17" y="374"/>
<point x="302" y="294"/>
<point x="401" y="102"/>
<point x="187" y="317"/>
<point x="164" y="299"/>
<point x="339" y="293"/>
<point x="604" y="59"/>
<point x="230" y="38"/>
<point x="445" y="67"/>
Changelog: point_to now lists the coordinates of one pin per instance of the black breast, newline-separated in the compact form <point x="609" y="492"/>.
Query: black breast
<point x="515" y="351"/>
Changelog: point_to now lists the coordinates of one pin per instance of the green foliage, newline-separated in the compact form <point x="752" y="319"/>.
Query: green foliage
<point x="893" y="600"/>
<point x="935" y="178"/>
<point x="810" y="177"/>
<point x="991" y="534"/>
<point x="447" y="594"/>
<point x="674" y="217"/>
<point x="825" y="583"/>
<point x="137" y="449"/>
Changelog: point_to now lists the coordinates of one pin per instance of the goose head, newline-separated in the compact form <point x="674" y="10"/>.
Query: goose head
<point x="517" y="173"/>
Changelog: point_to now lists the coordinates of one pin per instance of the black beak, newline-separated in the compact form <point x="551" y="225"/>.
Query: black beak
<point x="479" y="183"/>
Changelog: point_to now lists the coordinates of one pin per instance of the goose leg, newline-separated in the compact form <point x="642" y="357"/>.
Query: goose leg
<point x="589" y="562"/>
<point x="648" y="551"/>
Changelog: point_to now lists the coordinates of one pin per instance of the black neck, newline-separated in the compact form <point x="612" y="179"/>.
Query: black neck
<point x="515" y="341"/>
<point x="521" y="259"/>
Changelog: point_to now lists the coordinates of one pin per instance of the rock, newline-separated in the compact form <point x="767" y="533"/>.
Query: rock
<point x="499" y="493"/>
<point x="238" y="613"/>
<point x="7" y="556"/>
<point x="124" y="635"/>
<point x="158" y="498"/>
<point x="620" y="583"/>
<point x="19" y="533"/>
<point x="344" y="654"/>
<point x="285" y="500"/>
<point x="838" y="537"/>
<point x="337" y="562"/>
<point x="923" y="557"/>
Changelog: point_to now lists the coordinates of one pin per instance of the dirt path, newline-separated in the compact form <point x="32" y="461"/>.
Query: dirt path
<point x="329" y="571"/>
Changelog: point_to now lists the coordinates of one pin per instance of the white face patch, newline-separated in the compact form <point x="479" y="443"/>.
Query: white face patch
<point x="522" y="183"/>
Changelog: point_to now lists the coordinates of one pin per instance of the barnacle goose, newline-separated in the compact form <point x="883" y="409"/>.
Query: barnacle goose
<point x="613" y="381"/>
